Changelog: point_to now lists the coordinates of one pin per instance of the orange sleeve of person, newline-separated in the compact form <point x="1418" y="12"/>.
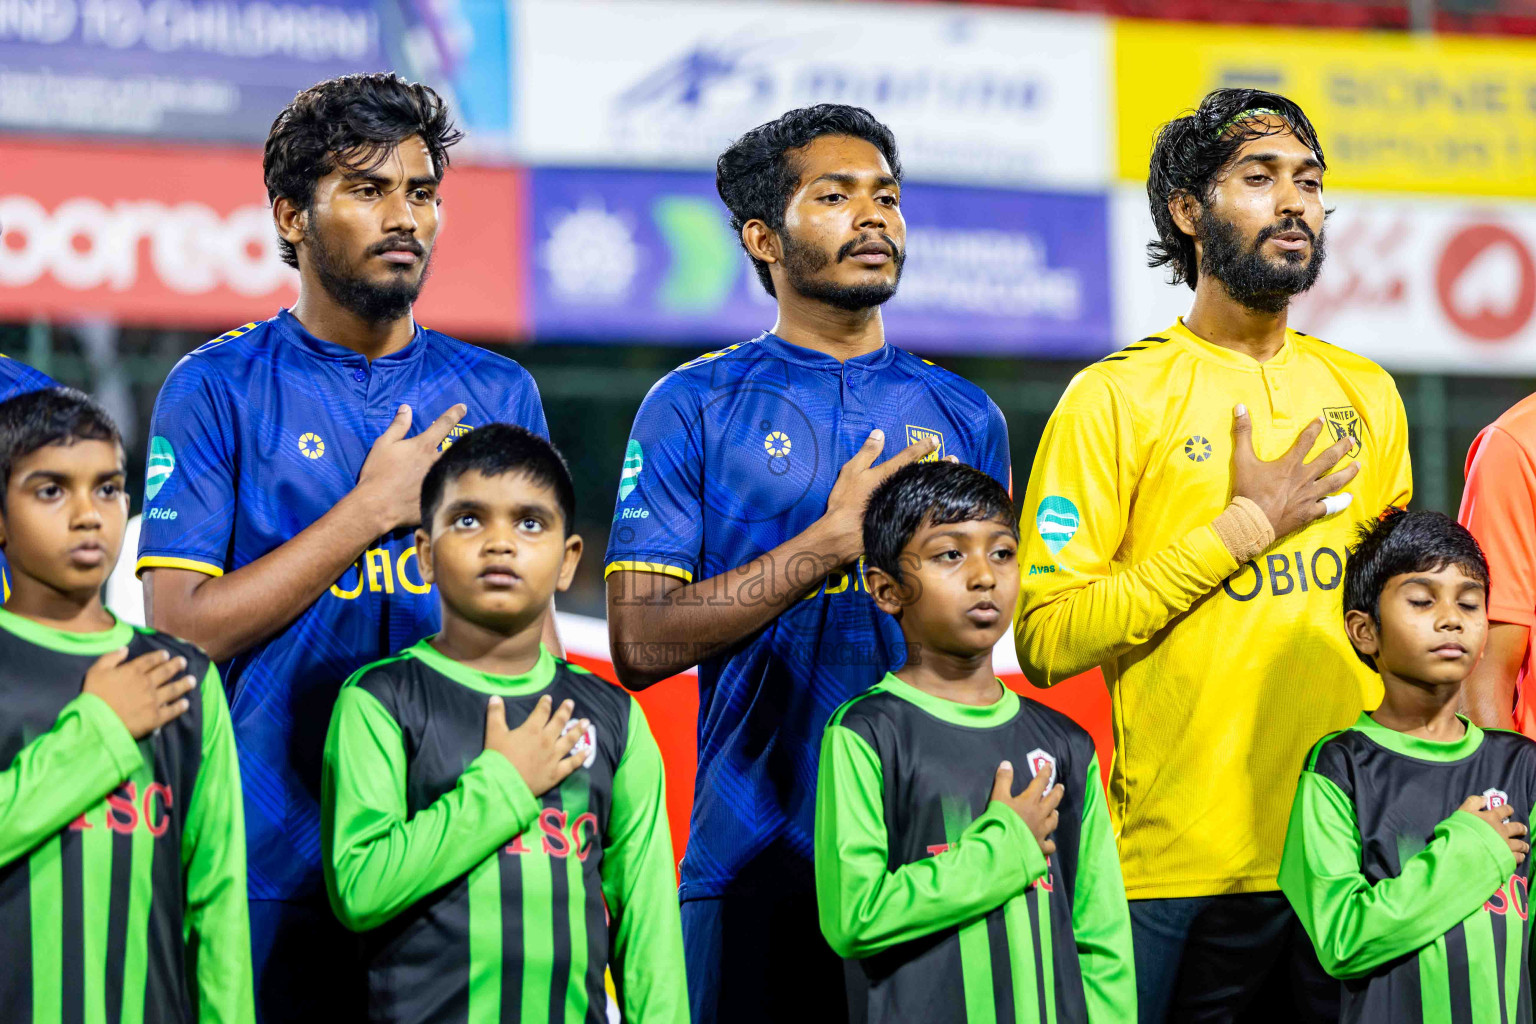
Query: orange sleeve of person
<point x="1499" y="507"/>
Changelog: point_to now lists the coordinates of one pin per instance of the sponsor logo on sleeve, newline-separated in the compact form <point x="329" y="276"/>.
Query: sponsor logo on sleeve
<point x="634" y="462"/>
<point x="1057" y="521"/>
<point x="159" y="467"/>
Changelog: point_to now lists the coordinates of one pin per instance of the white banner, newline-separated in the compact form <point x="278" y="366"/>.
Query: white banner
<point x="973" y="95"/>
<point x="1415" y="284"/>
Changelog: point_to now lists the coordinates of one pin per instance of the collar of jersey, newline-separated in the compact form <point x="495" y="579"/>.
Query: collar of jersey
<point x="998" y="712"/>
<point x="534" y="680"/>
<point x="810" y="358"/>
<point x="1414" y="746"/>
<point x="66" y="642"/>
<point x="1227" y="357"/>
<point x="290" y="326"/>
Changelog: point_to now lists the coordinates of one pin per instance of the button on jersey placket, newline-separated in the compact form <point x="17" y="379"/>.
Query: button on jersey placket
<point x="1278" y="391"/>
<point x="854" y="423"/>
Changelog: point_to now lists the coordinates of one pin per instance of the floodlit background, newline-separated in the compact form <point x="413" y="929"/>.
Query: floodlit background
<point x="584" y="237"/>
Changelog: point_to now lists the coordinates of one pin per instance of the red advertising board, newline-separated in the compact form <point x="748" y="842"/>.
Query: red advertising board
<point x="672" y="710"/>
<point x="182" y="236"/>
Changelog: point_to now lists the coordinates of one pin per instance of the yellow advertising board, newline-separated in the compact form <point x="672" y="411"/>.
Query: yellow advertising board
<point x="1394" y="111"/>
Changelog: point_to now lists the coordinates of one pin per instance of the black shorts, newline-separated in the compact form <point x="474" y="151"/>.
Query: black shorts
<point x="761" y="957"/>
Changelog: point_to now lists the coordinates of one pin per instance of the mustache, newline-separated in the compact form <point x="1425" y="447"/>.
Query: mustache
<point x="397" y="243"/>
<point x="1282" y="226"/>
<point x="858" y="243"/>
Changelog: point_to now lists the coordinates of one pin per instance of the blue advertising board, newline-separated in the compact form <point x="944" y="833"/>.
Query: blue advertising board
<point x="650" y="255"/>
<point x="221" y="70"/>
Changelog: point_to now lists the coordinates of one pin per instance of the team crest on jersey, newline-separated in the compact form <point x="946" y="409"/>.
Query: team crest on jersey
<point x="310" y="446"/>
<point x="1494" y="798"/>
<point x="1344" y="422"/>
<point x="916" y="434"/>
<point x="1197" y="448"/>
<point x="586" y="745"/>
<point x="1040" y="761"/>
<point x="453" y="435"/>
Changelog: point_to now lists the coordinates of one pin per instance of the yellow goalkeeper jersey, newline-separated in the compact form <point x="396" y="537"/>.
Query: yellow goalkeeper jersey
<point x="1221" y="675"/>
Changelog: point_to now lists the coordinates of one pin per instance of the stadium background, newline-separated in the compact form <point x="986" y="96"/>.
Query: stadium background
<point x="583" y="236"/>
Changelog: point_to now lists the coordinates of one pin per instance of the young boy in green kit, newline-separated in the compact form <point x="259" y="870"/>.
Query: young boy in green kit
<point x="497" y="870"/>
<point x="1403" y="857"/>
<point x="122" y="843"/>
<point x="951" y="898"/>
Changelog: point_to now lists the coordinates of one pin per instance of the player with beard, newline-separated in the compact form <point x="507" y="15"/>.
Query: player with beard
<point x="284" y="471"/>
<point x="1184" y="530"/>
<point x="737" y="541"/>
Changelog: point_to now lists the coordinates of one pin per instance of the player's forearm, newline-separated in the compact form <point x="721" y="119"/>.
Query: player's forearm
<point x="865" y="908"/>
<point x="1080" y="628"/>
<point x="658" y="629"/>
<point x="62" y="774"/>
<point x="227" y="615"/>
<point x="380" y="865"/>
<point x="1356" y="927"/>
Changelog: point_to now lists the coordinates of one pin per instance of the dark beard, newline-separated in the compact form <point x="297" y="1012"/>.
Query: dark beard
<point x="371" y="302"/>
<point x="1252" y="279"/>
<point x="803" y="261"/>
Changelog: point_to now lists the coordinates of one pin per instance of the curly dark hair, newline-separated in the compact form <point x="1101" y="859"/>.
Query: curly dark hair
<point x="1191" y="152"/>
<point x="755" y="176"/>
<point x="354" y="121"/>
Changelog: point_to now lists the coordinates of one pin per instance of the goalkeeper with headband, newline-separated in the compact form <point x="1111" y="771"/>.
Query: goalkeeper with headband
<point x="1185" y="530"/>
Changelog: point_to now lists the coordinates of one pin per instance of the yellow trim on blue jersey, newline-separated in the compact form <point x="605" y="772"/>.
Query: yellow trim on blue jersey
<point x="661" y="567"/>
<point x="167" y="562"/>
<point x="696" y="360"/>
<point x="229" y="335"/>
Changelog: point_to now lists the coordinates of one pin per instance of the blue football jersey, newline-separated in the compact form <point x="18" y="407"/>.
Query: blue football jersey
<point x="256" y="435"/>
<point x="17" y="379"/>
<point x="731" y="455"/>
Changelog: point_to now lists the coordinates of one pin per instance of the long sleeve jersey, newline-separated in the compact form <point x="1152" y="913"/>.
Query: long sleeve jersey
<point x="944" y="904"/>
<point x="122" y="861"/>
<point x="1418" y="907"/>
<point x="479" y="901"/>
<point x="1122" y="569"/>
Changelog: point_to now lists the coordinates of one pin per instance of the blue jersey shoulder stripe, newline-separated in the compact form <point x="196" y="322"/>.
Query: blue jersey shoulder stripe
<point x="711" y="355"/>
<point x="226" y="336"/>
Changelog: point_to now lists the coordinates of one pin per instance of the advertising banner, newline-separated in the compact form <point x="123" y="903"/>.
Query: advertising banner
<point x="222" y="69"/>
<point x="1415" y="284"/>
<point x="972" y="94"/>
<point x="622" y="255"/>
<point x="1394" y="112"/>
<point x="184" y="237"/>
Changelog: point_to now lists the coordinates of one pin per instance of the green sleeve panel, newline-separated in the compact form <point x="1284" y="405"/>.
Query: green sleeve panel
<point x="640" y="886"/>
<point x="1356" y="926"/>
<point x="217" y="924"/>
<point x="866" y="908"/>
<point x="62" y="774"/>
<point x="378" y="859"/>
<point x="1101" y="919"/>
